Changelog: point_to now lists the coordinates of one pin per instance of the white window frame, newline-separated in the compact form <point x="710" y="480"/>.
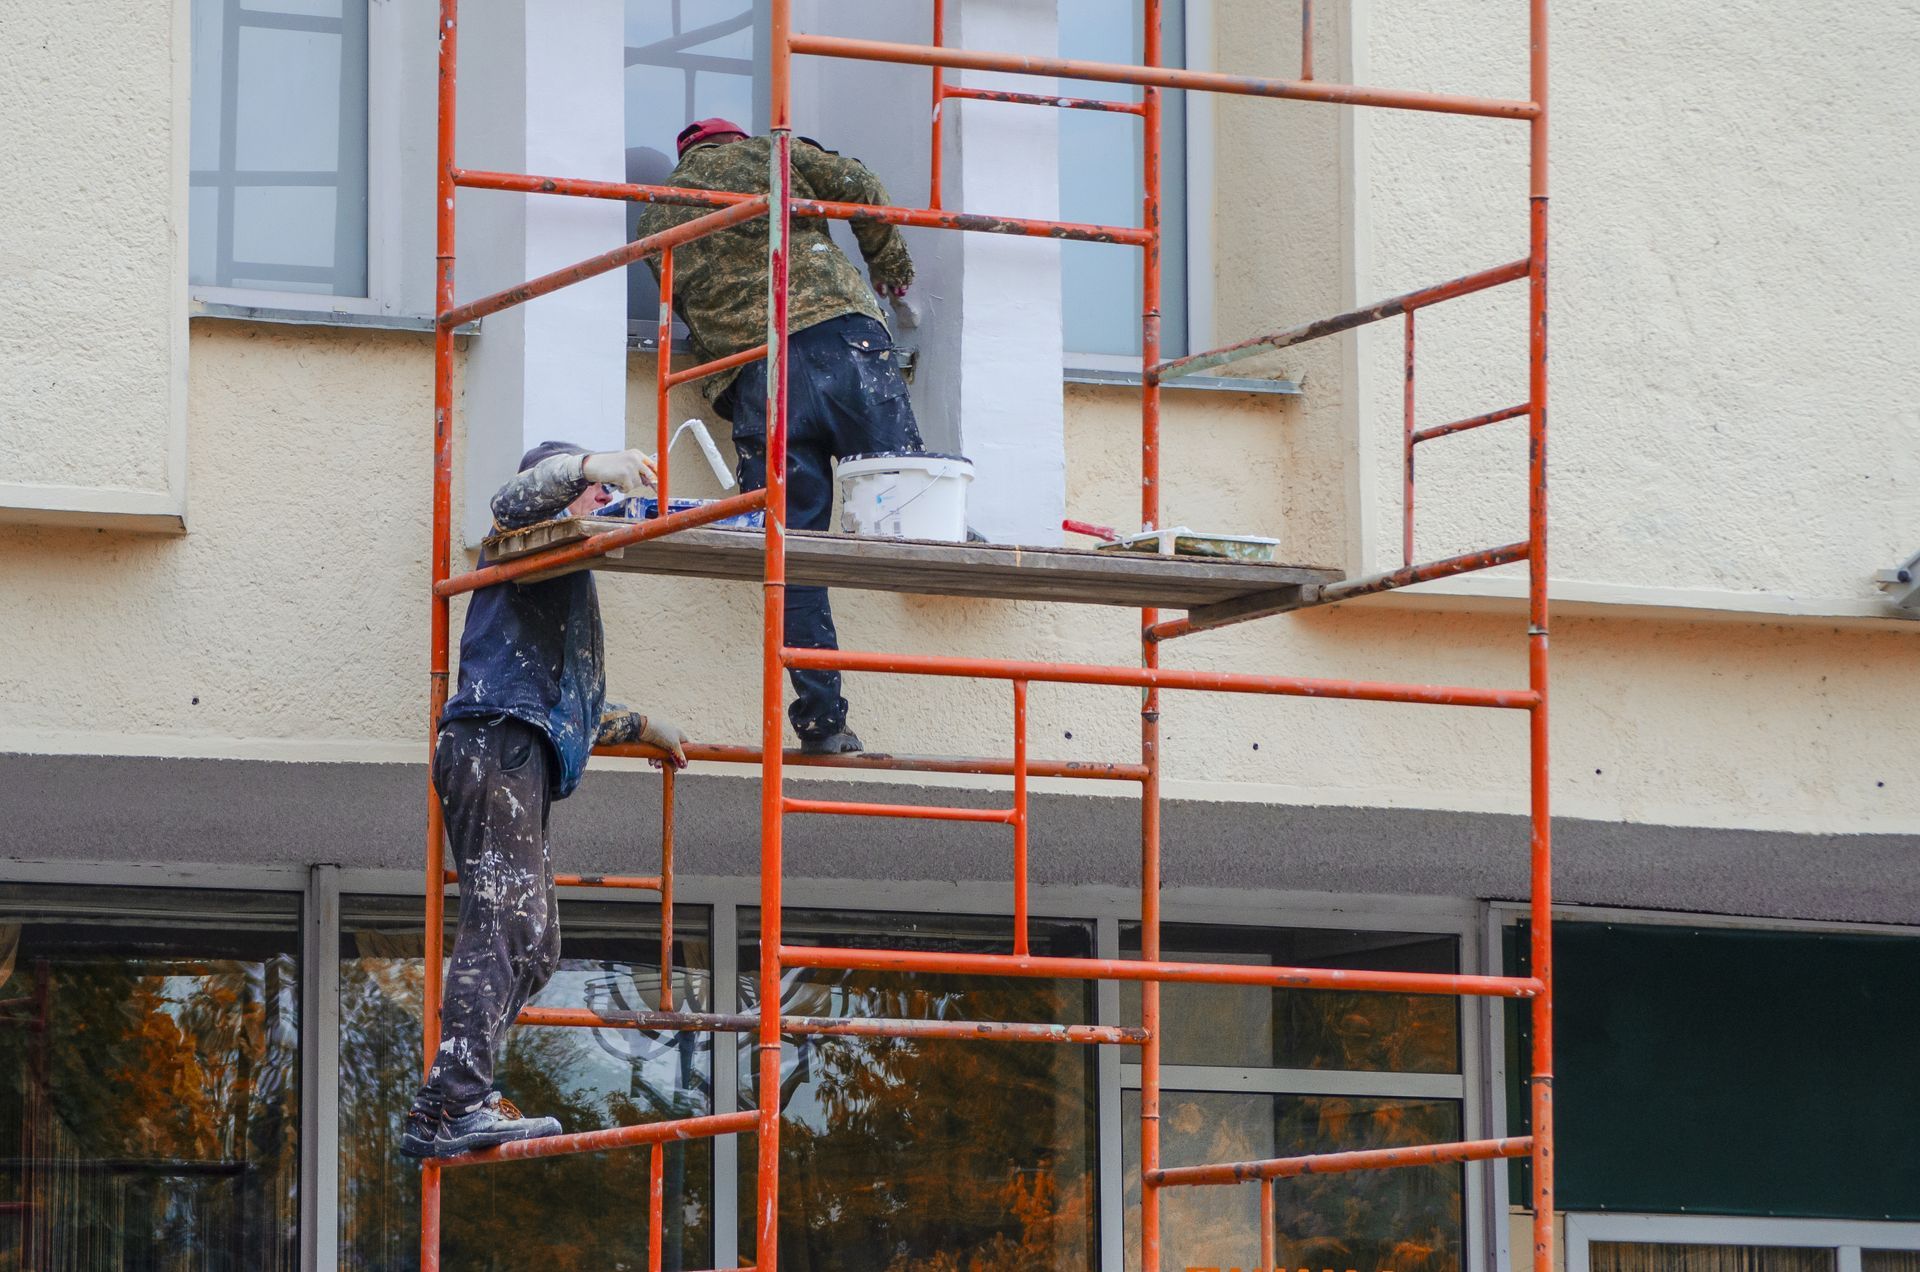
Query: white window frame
<point x="1846" y="1237"/>
<point x="387" y="171"/>
<point x="1199" y="191"/>
<point x="1500" y="1203"/>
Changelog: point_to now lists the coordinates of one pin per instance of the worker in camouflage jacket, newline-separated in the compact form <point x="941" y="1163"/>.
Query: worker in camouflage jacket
<point x="845" y="394"/>
<point x="530" y="708"/>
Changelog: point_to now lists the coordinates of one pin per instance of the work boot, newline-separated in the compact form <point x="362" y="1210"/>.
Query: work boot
<point x="842" y="741"/>
<point x="434" y="1134"/>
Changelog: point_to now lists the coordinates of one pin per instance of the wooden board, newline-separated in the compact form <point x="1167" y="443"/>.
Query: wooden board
<point x="942" y="569"/>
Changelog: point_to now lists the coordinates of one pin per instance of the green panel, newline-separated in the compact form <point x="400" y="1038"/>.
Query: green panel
<point x="1731" y="1072"/>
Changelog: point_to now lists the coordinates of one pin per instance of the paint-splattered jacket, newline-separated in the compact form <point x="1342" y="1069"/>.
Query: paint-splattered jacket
<point x="720" y="281"/>
<point x="534" y="651"/>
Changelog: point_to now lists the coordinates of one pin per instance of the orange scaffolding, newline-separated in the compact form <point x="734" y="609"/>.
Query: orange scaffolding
<point x="778" y="206"/>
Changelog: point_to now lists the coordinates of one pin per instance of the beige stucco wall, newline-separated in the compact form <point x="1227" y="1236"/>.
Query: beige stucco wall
<point x="295" y="611"/>
<point x="92" y="251"/>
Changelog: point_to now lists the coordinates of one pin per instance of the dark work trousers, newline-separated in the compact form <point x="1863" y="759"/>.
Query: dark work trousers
<point x="845" y="396"/>
<point x="492" y="774"/>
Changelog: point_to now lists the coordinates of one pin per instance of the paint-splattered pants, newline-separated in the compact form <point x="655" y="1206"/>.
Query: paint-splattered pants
<point x="492" y="775"/>
<point x="846" y="397"/>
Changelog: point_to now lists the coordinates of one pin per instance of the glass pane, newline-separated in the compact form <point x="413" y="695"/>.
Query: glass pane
<point x="1238" y="1026"/>
<point x="1387" y="1220"/>
<point x="684" y="62"/>
<point x="149" y="1080"/>
<point x="1100" y="182"/>
<point x="279" y="145"/>
<point x="589" y="1079"/>
<point x="904" y="1156"/>
<point x="1890" y="1261"/>
<point x="1636" y="1256"/>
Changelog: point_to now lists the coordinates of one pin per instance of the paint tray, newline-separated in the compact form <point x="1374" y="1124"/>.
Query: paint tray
<point x="641" y="508"/>
<point x="1182" y="541"/>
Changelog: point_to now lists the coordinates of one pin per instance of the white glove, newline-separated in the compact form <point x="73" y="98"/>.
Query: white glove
<point x="627" y="470"/>
<point x="668" y="736"/>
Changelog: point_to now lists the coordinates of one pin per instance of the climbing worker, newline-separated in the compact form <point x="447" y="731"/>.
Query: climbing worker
<point x="531" y="705"/>
<point x="845" y="393"/>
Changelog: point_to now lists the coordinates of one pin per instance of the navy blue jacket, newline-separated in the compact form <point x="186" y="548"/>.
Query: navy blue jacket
<point x="535" y="651"/>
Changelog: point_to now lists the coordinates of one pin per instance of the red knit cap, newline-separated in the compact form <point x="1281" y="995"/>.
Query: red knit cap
<point x="706" y="130"/>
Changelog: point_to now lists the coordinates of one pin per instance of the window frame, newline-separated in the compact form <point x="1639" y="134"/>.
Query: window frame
<point x="387" y="169"/>
<point x="1846" y="1237"/>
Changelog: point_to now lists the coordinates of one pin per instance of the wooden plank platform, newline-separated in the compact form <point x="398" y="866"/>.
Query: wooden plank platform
<point x="942" y="569"/>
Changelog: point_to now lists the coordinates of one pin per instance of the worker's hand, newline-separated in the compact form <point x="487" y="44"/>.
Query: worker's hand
<point x="669" y="737"/>
<point x="627" y="469"/>
<point x="892" y="291"/>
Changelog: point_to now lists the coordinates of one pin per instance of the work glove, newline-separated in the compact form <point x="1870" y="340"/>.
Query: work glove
<point x="626" y="470"/>
<point x="668" y="736"/>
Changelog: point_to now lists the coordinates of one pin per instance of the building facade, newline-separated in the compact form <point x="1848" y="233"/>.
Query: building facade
<point x="214" y="482"/>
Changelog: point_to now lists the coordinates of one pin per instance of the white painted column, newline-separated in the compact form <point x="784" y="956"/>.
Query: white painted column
<point x="542" y="90"/>
<point x="988" y="382"/>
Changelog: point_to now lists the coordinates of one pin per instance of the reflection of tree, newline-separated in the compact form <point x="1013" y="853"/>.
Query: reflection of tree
<point x="568" y="1214"/>
<point x="934" y="1156"/>
<point x="170" y="1111"/>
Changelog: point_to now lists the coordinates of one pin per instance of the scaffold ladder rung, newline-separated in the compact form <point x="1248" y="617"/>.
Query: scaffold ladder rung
<point x="1339" y="1163"/>
<point x="677" y="1130"/>
<point x="833" y="1026"/>
<point x="928" y="812"/>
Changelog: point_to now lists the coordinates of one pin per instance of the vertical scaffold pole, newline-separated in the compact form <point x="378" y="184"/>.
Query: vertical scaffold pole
<point x="1149" y="650"/>
<point x="934" y="165"/>
<point x="662" y="373"/>
<point x="780" y="185"/>
<point x="1542" y="847"/>
<point x="441" y="567"/>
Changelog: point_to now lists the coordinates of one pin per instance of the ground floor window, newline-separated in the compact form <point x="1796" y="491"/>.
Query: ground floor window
<point x="1252" y="1073"/>
<point x="583" y="1213"/>
<point x="149" y="1079"/>
<point x="1733" y="1243"/>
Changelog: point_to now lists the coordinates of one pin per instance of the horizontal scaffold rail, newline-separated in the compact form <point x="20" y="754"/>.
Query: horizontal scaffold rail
<point x="922" y="218"/>
<point x="601" y="544"/>
<point x="1047" y="966"/>
<point x="639" y="249"/>
<point x="833" y="1026"/>
<point x="1160" y="77"/>
<point x="928" y="812"/>
<point x="1472" y="422"/>
<point x="1042" y="99"/>
<point x="679" y="1129"/>
<point x="1339" y="1163"/>
<point x="1465" y="285"/>
<point x="1157" y="678"/>
<point x="881" y="762"/>
<point x="637" y="883"/>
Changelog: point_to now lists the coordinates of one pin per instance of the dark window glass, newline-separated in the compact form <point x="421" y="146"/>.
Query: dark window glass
<point x="149" y="1080"/>
<point x="941" y="1154"/>
<point x="1234" y="1026"/>
<point x="583" y="1213"/>
<point x="1406" y="1220"/>
<point x="1641" y="1256"/>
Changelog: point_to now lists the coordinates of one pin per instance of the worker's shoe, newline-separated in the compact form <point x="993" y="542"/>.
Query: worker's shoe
<point x="842" y="741"/>
<point x="431" y="1135"/>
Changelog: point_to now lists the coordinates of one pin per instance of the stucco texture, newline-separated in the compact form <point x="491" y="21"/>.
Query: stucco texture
<point x="1735" y="251"/>
<point x="94" y="294"/>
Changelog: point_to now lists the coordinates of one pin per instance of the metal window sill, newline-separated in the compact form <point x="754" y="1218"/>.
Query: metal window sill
<point x="228" y="311"/>
<point x="1206" y="383"/>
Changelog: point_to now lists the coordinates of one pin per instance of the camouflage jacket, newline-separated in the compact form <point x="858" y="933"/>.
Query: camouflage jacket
<point x="720" y="281"/>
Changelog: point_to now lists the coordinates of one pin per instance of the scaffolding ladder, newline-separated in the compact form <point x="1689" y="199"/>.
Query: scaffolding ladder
<point x="1150" y="677"/>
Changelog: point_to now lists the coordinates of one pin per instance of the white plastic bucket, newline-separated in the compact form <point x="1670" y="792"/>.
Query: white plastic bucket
<point x="905" y="495"/>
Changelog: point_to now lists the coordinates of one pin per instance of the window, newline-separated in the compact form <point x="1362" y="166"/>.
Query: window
<point x="1252" y="1073"/>
<point x="589" y="1079"/>
<point x="1607" y="1242"/>
<point x="278" y="193"/>
<point x="1100" y="182"/>
<point x="943" y="1154"/>
<point x="149" y="1079"/>
<point x="685" y="61"/>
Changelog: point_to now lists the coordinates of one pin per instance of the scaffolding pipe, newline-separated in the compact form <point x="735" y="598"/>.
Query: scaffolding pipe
<point x="879" y="761"/>
<point x="1339" y="1163"/>
<point x="1159" y="77"/>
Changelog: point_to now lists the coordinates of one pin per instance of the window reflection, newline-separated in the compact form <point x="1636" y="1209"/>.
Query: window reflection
<point x="1231" y="1025"/>
<point x="582" y="1213"/>
<point x="1406" y="1220"/>
<point x="930" y="1156"/>
<point x="149" y="1080"/>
